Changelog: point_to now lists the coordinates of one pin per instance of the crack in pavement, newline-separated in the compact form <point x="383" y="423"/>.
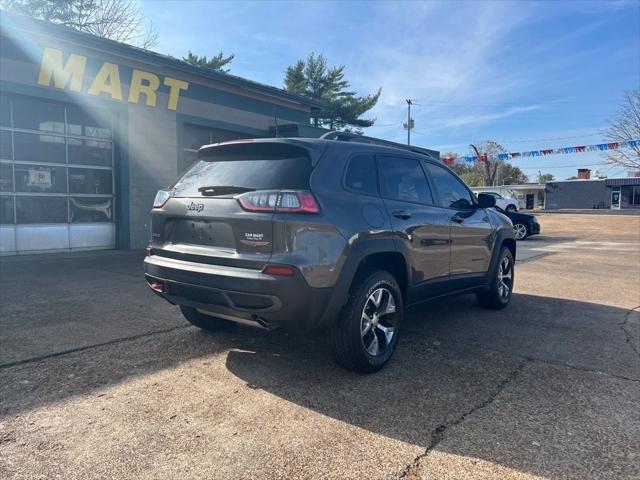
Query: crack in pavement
<point x="88" y="347"/>
<point x="629" y="336"/>
<point x="437" y="435"/>
<point x="525" y="357"/>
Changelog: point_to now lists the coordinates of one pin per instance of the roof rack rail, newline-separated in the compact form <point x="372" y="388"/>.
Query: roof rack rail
<point x="353" y="137"/>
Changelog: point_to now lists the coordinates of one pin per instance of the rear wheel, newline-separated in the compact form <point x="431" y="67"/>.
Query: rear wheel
<point x="511" y="208"/>
<point x="205" y="322"/>
<point x="366" y="333"/>
<point x="520" y="230"/>
<point x="499" y="294"/>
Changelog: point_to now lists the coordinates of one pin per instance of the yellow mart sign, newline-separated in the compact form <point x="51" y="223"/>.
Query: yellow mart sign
<point x="54" y="71"/>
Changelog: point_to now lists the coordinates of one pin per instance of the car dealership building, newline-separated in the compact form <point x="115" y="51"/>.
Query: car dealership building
<point x="90" y="129"/>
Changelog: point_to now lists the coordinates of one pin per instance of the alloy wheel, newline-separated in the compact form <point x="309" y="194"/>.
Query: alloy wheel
<point x="505" y="277"/>
<point x="377" y="324"/>
<point x="520" y="231"/>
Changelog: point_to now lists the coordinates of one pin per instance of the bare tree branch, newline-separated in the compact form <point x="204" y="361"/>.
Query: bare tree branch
<point x="625" y="127"/>
<point x="118" y="20"/>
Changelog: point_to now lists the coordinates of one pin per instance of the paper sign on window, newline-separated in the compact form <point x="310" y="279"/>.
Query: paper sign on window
<point x="39" y="178"/>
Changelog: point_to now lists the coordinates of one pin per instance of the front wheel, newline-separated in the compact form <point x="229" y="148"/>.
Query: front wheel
<point x="520" y="230"/>
<point x="499" y="294"/>
<point x="511" y="208"/>
<point x="205" y="322"/>
<point x="366" y="334"/>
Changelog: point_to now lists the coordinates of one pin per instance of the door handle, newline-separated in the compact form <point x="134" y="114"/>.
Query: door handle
<point x="401" y="214"/>
<point x="457" y="219"/>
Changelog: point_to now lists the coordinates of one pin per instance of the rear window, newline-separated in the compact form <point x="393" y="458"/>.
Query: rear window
<point x="242" y="166"/>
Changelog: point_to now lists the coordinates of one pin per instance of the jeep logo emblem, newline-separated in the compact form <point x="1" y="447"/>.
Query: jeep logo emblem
<point x="195" y="207"/>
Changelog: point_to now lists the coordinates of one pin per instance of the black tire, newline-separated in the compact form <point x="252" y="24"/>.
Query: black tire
<point x="205" y="322"/>
<point x="521" y="230"/>
<point x="511" y="208"/>
<point x="495" y="297"/>
<point x="350" y="347"/>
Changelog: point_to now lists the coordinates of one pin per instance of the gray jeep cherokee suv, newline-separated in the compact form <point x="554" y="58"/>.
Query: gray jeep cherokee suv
<point x="318" y="235"/>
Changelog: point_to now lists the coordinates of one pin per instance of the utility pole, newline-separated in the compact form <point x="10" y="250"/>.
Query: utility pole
<point x="409" y="124"/>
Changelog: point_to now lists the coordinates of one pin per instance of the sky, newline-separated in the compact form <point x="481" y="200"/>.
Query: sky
<point x="529" y="75"/>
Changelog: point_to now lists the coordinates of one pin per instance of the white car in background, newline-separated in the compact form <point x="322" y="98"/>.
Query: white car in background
<point x="507" y="204"/>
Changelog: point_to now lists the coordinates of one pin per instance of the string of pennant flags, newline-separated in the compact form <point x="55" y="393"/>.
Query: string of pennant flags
<point x="599" y="147"/>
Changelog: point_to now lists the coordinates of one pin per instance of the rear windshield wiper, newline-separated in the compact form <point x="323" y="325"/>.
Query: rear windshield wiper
<point x="214" y="190"/>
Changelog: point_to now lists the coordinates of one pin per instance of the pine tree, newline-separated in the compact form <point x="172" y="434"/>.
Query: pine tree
<point x="214" y="63"/>
<point x="313" y="78"/>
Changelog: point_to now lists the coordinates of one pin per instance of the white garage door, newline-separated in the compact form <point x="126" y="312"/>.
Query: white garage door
<point x="56" y="176"/>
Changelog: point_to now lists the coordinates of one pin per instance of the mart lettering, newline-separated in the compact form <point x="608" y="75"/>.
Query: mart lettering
<point x="70" y="74"/>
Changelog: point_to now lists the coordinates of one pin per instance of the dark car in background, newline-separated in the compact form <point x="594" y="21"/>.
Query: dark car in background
<point x="332" y="237"/>
<point x="524" y="224"/>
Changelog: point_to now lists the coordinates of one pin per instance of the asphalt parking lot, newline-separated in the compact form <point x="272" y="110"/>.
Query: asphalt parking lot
<point x="101" y="379"/>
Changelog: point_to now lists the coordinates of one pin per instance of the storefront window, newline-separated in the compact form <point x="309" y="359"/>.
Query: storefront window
<point x="34" y="164"/>
<point x="40" y="179"/>
<point x="6" y="149"/>
<point x="90" y="181"/>
<point x="5" y="111"/>
<point x="94" y="123"/>
<point x="31" y="147"/>
<point x="34" y="114"/>
<point x="36" y="209"/>
<point x="6" y="210"/>
<point x="6" y="177"/>
<point x="90" y="152"/>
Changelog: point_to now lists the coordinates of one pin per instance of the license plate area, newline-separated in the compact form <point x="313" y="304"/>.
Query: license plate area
<point x="203" y="232"/>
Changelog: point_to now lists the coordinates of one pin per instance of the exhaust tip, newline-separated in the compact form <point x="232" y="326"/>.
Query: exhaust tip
<point x="157" y="286"/>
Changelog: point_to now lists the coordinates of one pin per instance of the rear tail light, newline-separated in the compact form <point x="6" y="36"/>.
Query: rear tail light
<point x="279" y="270"/>
<point x="161" y="198"/>
<point x="291" y="201"/>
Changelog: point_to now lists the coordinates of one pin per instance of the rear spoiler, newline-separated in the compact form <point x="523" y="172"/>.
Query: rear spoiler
<point x="352" y="137"/>
<point x="263" y="148"/>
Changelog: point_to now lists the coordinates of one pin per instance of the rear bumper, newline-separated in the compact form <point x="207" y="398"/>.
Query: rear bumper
<point x="534" y="229"/>
<point x="240" y="293"/>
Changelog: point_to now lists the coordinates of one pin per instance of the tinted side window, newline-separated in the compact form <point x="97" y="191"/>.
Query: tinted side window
<point x="450" y="190"/>
<point x="362" y="175"/>
<point x="403" y="179"/>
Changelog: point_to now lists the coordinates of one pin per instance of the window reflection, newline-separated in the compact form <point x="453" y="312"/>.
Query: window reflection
<point x="88" y="180"/>
<point x="96" y="123"/>
<point x="90" y="152"/>
<point x="91" y="209"/>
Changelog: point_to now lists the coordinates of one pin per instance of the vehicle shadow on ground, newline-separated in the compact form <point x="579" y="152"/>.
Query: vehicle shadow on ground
<point x="453" y="359"/>
<point x="542" y="238"/>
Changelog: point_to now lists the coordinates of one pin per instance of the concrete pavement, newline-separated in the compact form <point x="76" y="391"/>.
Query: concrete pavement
<point x="101" y="379"/>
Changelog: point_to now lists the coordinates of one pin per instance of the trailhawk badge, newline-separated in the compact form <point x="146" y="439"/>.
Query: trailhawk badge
<point x="254" y="239"/>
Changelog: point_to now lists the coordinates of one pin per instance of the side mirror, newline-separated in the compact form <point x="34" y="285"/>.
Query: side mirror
<point x="486" y="201"/>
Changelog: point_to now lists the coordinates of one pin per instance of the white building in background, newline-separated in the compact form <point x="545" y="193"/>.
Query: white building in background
<point x="530" y="196"/>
